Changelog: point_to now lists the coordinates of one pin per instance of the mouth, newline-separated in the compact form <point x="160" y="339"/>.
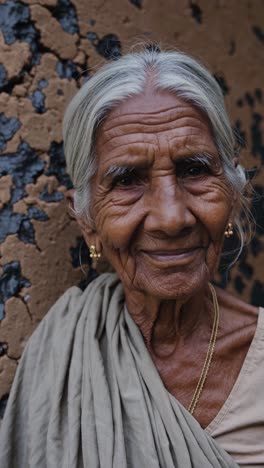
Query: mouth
<point x="178" y="257"/>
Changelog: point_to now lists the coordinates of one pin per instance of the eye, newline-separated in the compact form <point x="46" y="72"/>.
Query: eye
<point x="192" y="169"/>
<point x="196" y="170"/>
<point x="124" y="181"/>
<point x="127" y="179"/>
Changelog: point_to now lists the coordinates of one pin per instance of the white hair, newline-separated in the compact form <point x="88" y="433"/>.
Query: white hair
<point x="128" y="76"/>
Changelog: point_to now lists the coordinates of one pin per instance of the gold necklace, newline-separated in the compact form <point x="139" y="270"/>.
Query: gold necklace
<point x="209" y="354"/>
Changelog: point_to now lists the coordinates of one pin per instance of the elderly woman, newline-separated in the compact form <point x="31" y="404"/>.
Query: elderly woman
<point x="151" y="366"/>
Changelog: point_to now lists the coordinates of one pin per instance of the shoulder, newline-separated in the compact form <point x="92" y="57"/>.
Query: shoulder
<point x="69" y="306"/>
<point x="238" y="324"/>
<point x="59" y="325"/>
<point x="51" y="345"/>
<point x="236" y="312"/>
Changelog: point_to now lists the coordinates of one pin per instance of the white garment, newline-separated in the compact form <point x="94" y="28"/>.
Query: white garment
<point x="239" y="425"/>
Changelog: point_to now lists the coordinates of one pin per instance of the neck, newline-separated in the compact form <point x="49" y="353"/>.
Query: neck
<point x="165" y="323"/>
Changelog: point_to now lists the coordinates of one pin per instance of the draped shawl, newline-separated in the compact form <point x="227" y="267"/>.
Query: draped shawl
<point x="87" y="395"/>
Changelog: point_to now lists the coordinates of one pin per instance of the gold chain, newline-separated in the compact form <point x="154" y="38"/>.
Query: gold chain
<point x="209" y="354"/>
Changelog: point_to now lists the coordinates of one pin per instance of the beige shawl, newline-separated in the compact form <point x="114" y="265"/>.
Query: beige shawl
<point x="86" y="394"/>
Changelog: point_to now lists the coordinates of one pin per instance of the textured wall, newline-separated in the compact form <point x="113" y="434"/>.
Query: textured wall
<point x="47" y="49"/>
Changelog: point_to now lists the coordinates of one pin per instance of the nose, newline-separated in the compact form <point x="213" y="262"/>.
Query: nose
<point x="168" y="210"/>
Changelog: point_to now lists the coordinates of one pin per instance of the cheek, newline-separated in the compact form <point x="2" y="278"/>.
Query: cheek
<point x="216" y="221"/>
<point x="116" y="224"/>
<point x="215" y="218"/>
<point x="213" y="207"/>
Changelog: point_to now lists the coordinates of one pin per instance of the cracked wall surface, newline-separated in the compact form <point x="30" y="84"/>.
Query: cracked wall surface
<point x="48" y="48"/>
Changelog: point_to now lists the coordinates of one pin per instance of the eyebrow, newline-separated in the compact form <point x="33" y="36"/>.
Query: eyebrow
<point x="116" y="171"/>
<point x="122" y="169"/>
<point x="203" y="157"/>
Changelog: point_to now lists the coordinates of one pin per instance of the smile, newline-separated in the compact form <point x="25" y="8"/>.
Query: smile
<point x="179" y="257"/>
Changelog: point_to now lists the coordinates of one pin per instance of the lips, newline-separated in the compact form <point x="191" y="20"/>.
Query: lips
<point x="172" y="251"/>
<point x="171" y="257"/>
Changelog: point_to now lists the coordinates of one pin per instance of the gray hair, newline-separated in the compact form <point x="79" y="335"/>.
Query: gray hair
<point x="121" y="79"/>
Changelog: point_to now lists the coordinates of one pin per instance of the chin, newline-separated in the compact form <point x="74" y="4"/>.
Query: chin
<point x="175" y="285"/>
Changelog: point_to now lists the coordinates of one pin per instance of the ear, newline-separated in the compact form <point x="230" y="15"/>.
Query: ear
<point x="87" y="227"/>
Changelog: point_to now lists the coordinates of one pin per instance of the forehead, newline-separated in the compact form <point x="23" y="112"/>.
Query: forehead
<point x="154" y="118"/>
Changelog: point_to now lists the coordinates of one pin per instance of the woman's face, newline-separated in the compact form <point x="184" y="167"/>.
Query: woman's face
<point x="160" y="200"/>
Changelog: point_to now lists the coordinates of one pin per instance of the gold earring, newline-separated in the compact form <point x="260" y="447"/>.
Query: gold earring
<point x="93" y="252"/>
<point x="229" y="230"/>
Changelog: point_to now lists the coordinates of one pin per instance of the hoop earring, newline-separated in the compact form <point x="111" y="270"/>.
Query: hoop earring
<point x="229" y="230"/>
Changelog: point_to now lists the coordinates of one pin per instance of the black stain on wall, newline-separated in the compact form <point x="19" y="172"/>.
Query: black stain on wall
<point x="3" y="76"/>
<point x="257" y="294"/>
<point x="80" y="254"/>
<point x="222" y="83"/>
<point x="245" y="269"/>
<point x="232" y="48"/>
<point x="92" y="36"/>
<point x="16" y="25"/>
<point x="19" y="223"/>
<point x="258" y="95"/>
<point x="57" y="165"/>
<point x="256" y="136"/>
<point x="24" y="166"/>
<point x="137" y="3"/>
<point x="249" y="99"/>
<point x="38" y="101"/>
<point x="14" y="19"/>
<point x="109" y="47"/>
<point x="258" y="209"/>
<point x="65" y="13"/>
<point x="43" y="83"/>
<point x="26" y="232"/>
<point x="3" y="349"/>
<point x="223" y="275"/>
<point x="67" y="69"/>
<point x="10" y="222"/>
<point x="11" y="283"/>
<point x="259" y="33"/>
<point x="37" y="214"/>
<point x="196" y="12"/>
<point x="239" y="284"/>
<point x="51" y="197"/>
<point x="8" y="128"/>
<point x="255" y="246"/>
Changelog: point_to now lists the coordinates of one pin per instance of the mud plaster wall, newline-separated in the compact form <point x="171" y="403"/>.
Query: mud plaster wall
<point x="47" y="49"/>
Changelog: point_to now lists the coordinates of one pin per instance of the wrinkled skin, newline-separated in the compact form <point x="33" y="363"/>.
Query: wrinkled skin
<point x="160" y="206"/>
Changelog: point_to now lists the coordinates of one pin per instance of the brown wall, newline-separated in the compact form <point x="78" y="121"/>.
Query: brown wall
<point x="47" y="48"/>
